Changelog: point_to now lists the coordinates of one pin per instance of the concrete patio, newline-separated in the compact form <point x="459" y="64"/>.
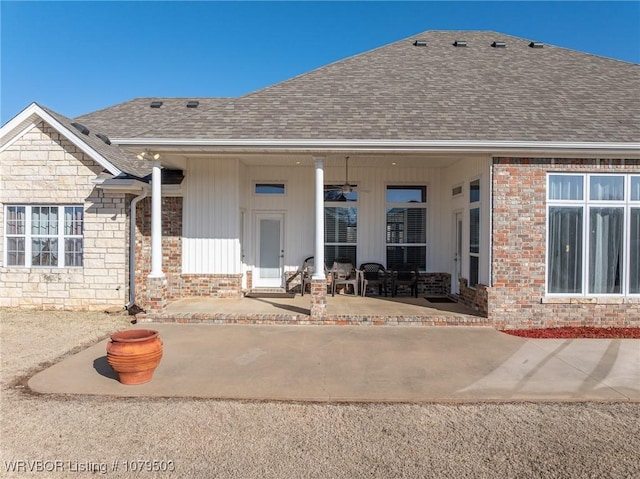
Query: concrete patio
<point x="362" y="364"/>
<point x="341" y="309"/>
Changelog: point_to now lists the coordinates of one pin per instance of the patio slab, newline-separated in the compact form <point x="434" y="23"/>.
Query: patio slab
<point x="341" y="309"/>
<point x="362" y="364"/>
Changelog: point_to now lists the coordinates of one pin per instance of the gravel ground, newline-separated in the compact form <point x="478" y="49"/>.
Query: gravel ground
<point x="79" y="436"/>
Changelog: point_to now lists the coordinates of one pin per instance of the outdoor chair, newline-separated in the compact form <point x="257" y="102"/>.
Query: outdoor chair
<point x="404" y="274"/>
<point x="306" y="271"/>
<point x="344" y="273"/>
<point x="373" y="274"/>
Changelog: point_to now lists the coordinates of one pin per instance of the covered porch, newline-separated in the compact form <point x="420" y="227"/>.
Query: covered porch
<point x="246" y="221"/>
<point x="341" y="309"/>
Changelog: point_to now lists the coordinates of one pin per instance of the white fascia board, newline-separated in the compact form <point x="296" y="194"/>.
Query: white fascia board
<point x="122" y="185"/>
<point x="495" y="148"/>
<point x="34" y="109"/>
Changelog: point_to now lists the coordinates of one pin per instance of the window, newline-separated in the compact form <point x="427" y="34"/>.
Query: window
<point x="44" y="236"/>
<point x="407" y="225"/>
<point x="593" y="234"/>
<point x="269" y="189"/>
<point x="474" y="233"/>
<point x="340" y="224"/>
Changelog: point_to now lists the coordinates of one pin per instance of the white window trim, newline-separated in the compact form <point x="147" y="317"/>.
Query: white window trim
<point x="472" y="206"/>
<point x="626" y="203"/>
<point x="424" y="205"/>
<point x="28" y="236"/>
<point x="269" y="182"/>
<point x="344" y="204"/>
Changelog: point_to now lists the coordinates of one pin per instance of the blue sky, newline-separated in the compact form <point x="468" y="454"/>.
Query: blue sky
<point x="77" y="57"/>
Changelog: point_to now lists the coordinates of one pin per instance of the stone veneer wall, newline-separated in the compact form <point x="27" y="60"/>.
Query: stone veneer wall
<point x="44" y="168"/>
<point x="517" y="297"/>
<point x="178" y="285"/>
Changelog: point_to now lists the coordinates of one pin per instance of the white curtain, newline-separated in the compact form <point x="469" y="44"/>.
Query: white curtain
<point x="605" y="250"/>
<point x="565" y="250"/>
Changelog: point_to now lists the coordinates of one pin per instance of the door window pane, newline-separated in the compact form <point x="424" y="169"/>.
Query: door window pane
<point x="605" y="250"/>
<point x="474" y="230"/>
<point x="565" y="250"/>
<point x="474" y="191"/>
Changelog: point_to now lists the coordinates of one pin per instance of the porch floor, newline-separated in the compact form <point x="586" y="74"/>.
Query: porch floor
<point x="341" y="309"/>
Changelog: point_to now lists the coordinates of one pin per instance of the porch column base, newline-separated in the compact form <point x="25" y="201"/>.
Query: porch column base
<point x="318" y="298"/>
<point x="156" y="294"/>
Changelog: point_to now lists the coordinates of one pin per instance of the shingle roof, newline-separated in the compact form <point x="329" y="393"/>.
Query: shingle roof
<point x="135" y="117"/>
<point x="406" y="92"/>
<point x="123" y="160"/>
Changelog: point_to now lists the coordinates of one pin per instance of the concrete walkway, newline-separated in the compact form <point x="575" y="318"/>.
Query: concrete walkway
<point x="363" y="364"/>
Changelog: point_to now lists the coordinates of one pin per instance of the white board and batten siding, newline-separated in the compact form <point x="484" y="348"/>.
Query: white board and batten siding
<point x="211" y="216"/>
<point x="218" y="190"/>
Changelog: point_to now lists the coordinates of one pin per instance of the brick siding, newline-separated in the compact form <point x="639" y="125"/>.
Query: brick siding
<point x="178" y="285"/>
<point x="517" y="297"/>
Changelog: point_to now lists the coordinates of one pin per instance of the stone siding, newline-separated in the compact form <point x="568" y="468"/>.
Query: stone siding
<point x="517" y="297"/>
<point x="44" y="168"/>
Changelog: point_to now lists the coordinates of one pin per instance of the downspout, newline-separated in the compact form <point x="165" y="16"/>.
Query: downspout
<point x="132" y="248"/>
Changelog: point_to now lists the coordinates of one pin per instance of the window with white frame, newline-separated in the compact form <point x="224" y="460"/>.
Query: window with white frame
<point x="44" y="236"/>
<point x="593" y="234"/>
<point x="340" y="224"/>
<point x="474" y="233"/>
<point x="406" y="228"/>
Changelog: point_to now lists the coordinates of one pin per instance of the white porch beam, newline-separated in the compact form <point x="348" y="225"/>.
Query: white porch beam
<point x="318" y="272"/>
<point x="156" y="221"/>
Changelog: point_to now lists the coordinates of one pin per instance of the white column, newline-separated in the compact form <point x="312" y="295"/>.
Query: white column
<point x="156" y="221"/>
<point x="319" y="223"/>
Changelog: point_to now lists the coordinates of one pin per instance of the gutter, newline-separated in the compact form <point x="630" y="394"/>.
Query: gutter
<point x="132" y="248"/>
<point x="496" y="148"/>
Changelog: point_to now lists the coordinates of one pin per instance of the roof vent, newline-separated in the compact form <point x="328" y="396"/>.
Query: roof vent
<point x="499" y="45"/>
<point x="460" y="43"/>
<point x="536" y="45"/>
<point x="193" y="104"/>
<point x="420" y="43"/>
<point x="81" y="128"/>
<point x="156" y="104"/>
<point x="104" y="138"/>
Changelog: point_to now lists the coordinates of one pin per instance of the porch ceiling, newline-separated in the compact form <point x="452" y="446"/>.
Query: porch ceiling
<point x="177" y="159"/>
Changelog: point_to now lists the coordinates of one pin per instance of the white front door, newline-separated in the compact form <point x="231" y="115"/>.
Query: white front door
<point x="270" y="251"/>
<point x="457" y="254"/>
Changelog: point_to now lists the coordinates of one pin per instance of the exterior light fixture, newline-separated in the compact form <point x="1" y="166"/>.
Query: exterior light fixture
<point x="536" y="45"/>
<point x="148" y="155"/>
<point x="498" y="44"/>
<point x="460" y="43"/>
<point x="420" y="43"/>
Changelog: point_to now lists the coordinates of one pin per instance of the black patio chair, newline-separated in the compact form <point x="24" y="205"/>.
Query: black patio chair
<point x="404" y="274"/>
<point x="373" y="274"/>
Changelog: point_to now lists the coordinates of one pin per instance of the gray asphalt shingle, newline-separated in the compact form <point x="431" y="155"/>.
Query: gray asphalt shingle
<point x="404" y="92"/>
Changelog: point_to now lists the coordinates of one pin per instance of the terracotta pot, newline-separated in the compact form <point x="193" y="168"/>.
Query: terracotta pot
<point x="134" y="355"/>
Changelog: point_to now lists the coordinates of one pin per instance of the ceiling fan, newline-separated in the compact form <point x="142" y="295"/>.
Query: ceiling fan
<point x="347" y="188"/>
